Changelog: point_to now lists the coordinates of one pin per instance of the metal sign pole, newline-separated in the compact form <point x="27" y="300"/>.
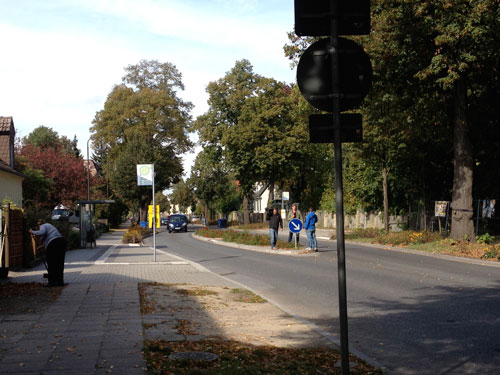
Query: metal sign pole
<point x="154" y="216"/>
<point x="339" y="196"/>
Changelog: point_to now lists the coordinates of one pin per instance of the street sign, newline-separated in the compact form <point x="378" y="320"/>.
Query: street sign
<point x="286" y="195"/>
<point x="295" y="225"/>
<point x="312" y="18"/>
<point x="314" y="74"/>
<point x="145" y="174"/>
<point x="322" y="128"/>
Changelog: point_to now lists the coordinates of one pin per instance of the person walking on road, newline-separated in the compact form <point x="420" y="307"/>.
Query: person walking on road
<point x="275" y="222"/>
<point x="294" y="214"/>
<point x="310" y="227"/>
<point x="55" y="250"/>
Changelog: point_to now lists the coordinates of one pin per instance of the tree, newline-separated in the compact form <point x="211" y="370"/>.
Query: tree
<point x="212" y="182"/>
<point x="162" y="201"/>
<point x="433" y="64"/>
<point x="67" y="176"/>
<point x="46" y="137"/>
<point x="255" y="123"/>
<point x="143" y="122"/>
<point x="182" y="196"/>
<point x="450" y="48"/>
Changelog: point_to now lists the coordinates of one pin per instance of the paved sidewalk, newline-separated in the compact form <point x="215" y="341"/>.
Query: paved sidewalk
<point x="95" y="326"/>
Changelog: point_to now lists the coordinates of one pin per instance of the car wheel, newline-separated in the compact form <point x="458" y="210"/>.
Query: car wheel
<point x="185" y="229"/>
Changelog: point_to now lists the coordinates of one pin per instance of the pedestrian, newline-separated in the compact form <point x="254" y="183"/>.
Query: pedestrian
<point x="294" y="214"/>
<point x="275" y="222"/>
<point x="310" y="227"/>
<point x="55" y="249"/>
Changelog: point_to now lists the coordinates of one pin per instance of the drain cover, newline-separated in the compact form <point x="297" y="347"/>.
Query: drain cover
<point x="193" y="356"/>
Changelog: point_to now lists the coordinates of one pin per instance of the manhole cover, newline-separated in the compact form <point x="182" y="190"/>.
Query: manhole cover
<point x="193" y="356"/>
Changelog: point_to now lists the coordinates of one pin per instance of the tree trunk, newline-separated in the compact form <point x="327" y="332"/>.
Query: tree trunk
<point x="462" y="226"/>
<point x="246" y="211"/>
<point x="385" y="172"/>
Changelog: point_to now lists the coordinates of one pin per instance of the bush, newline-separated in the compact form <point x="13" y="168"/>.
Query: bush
<point x="243" y="238"/>
<point x="485" y="239"/>
<point x="407" y="237"/>
<point x="135" y="234"/>
<point x="363" y="233"/>
<point x="74" y="240"/>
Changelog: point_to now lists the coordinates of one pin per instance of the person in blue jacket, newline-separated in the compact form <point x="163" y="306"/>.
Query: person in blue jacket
<point x="55" y="250"/>
<point x="310" y="227"/>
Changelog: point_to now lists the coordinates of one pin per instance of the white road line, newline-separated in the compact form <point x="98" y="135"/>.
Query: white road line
<point x="104" y="257"/>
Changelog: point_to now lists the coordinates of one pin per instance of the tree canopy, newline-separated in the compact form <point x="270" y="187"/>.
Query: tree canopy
<point x="143" y="122"/>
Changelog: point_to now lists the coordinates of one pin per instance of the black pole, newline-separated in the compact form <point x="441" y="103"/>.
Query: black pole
<point x="339" y="195"/>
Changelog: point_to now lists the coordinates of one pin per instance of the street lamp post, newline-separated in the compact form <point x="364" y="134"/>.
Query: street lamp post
<point x="88" y="171"/>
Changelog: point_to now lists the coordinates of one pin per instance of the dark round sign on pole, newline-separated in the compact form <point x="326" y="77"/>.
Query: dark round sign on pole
<point x="314" y="74"/>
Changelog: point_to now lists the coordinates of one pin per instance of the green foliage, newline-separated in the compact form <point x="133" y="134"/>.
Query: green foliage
<point x="242" y="237"/>
<point x="143" y="124"/>
<point x="45" y="137"/>
<point x="74" y="240"/>
<point x="182" y="195"/>
<point x="485" y="238"/>
<point x="114" y="212"/>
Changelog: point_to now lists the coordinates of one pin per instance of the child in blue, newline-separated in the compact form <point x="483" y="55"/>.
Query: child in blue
<point x="310" y="227"/>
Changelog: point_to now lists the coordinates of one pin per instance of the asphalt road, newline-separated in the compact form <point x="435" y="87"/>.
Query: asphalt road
<point x="412" y="313"/>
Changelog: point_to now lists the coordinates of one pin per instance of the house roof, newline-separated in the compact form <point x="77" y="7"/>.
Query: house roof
<point x="6" y="124"/>
<point x="7" y="168"/>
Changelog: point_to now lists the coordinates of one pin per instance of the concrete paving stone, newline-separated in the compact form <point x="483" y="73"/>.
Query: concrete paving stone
<point x="123" y="359"/>
<point x="23" y="357"/>
<point x="21" y="367"/>
<point x="119" y="371"/>
<point x="78" y="338"/>
<point x="121" y="345"/>
<point x="77" y="352"/>
<point x="36" y="345"/>
<point x="22" y="317"/>
<point x="84" y="328"/>
<point x="85" y="365"/>
<point x="66" y="372"/>
<point x="112" y="353"/>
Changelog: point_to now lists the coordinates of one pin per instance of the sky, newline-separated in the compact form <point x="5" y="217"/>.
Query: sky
<point x="59" y="59"/>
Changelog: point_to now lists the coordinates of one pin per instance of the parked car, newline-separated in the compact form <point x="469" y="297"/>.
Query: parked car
<point x="177" y="223"/>
<point x="164" y="221"/>
<point x="59" y="212"/>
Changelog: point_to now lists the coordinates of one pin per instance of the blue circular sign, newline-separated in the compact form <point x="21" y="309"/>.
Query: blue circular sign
<point x="295" y="225"/>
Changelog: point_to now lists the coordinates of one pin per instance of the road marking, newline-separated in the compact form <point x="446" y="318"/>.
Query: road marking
<point x="104" y="257"/>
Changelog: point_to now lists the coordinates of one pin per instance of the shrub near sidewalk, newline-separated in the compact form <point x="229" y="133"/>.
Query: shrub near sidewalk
<point x="135" y="234"/>
<point x="243" y="238"/>
<point x="428" y="241"/>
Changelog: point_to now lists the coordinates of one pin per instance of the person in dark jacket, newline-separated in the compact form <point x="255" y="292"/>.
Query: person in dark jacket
<point x="275" y="222"/>
<point x="55" y="249"/>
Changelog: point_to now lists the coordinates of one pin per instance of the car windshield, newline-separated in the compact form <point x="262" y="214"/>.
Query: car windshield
<point x="177" y="219"/>
<point x="59" y="212"/>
